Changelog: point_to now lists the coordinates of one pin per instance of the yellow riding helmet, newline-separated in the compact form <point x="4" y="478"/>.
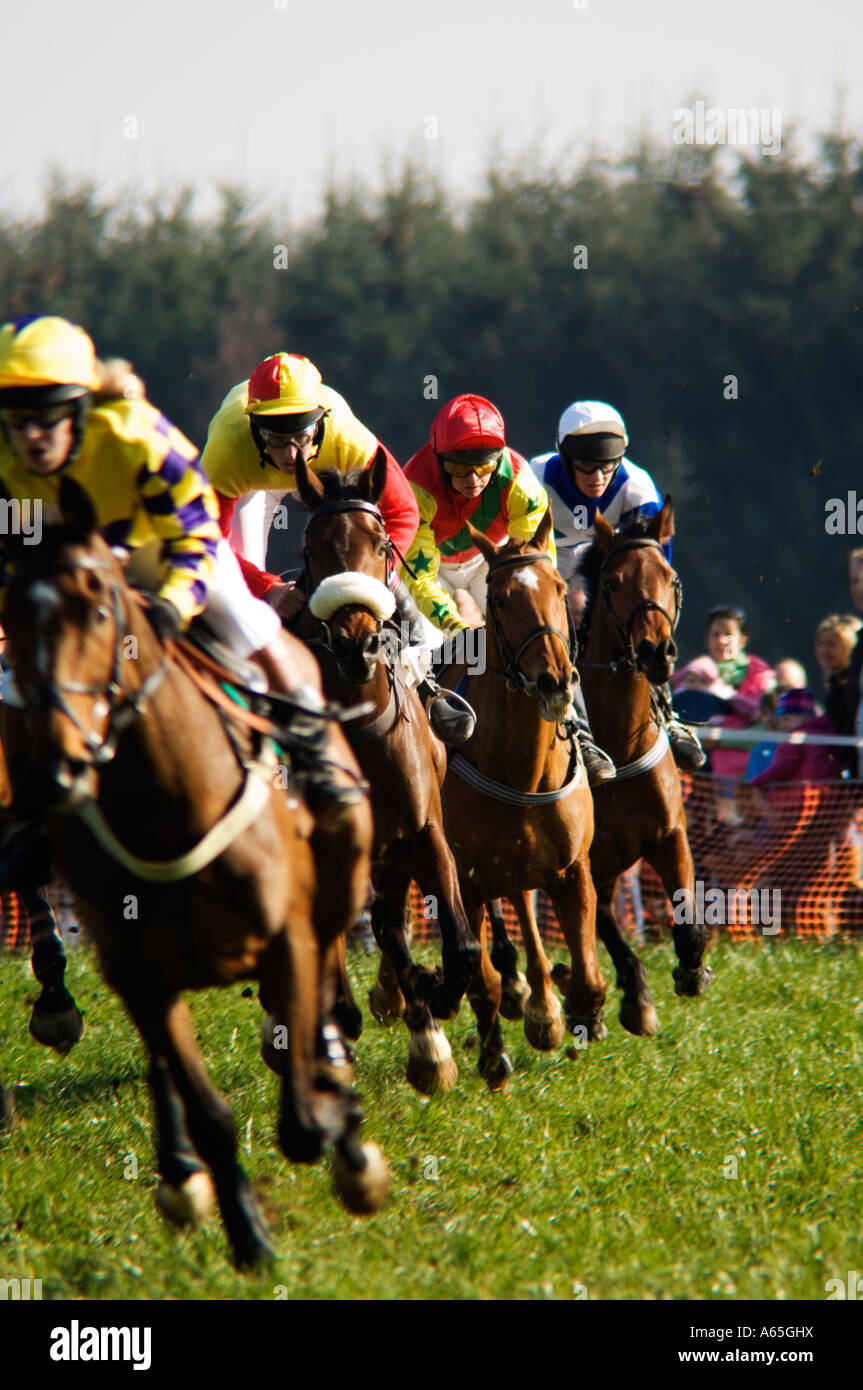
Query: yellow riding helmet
<point x="286" y="385"/>
<point x="42" y="351"/>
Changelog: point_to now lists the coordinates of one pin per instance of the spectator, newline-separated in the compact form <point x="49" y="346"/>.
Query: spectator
<point x="790" y="675"/>
<point x="853" y="717"/>
<point x="835" y="638"/>
<point x="735" y="679"/>
<point x="801" y="762"/>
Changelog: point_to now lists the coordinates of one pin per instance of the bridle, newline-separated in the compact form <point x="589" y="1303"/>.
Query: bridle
<point x="334" y="507"/>
<point x="512" y="672"/>
<point x="629" y="661"/>
<point x="123" y="705"/>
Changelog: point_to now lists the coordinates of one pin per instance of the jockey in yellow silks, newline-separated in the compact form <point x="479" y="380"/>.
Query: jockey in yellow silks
<point x="65" y="414"/>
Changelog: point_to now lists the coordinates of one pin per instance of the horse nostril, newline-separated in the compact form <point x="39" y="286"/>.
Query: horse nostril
<point x="547" y="686"/>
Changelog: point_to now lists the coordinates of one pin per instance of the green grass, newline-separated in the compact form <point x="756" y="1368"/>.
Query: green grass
<point x="607" y="1171"/>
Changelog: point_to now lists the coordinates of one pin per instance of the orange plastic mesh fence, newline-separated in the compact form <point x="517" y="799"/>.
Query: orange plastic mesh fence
<point x="786" y="860"/>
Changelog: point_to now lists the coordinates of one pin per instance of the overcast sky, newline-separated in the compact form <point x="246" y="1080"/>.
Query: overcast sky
<point x="276" y="94"/>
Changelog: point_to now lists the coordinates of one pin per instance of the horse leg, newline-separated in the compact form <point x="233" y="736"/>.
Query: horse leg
<point x="166" y="1027"/>
<point x="436" y="873"/>
<point x="637" y="1011"/>
<point x="484" y="995"/>
<point x="292" y="981"/>
<point x="504" y="958"/>
<point x="345" y="1010"/>
<point x="543" y="1019"/>
<point x="574" y="898"/>
<point x="185" y="1194"/>
<point x="431" y="1065"/>
<point x="56" y="1020"/>
<point x="672" y="860"/>
<point x="386" y="1000"/>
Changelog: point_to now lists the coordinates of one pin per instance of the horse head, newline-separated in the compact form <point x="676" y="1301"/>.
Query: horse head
<point x="641" y="592"/>
<point x="347" y="556"/>
<point x="528" y="618"/>
<point x="69" y="620"/>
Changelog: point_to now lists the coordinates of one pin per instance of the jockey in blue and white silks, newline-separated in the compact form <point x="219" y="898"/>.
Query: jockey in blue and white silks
<point x="589" y="473"/>
<point x="592" y="436"/>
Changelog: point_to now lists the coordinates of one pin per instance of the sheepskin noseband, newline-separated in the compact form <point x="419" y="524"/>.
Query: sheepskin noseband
<point x="338" y="589"/>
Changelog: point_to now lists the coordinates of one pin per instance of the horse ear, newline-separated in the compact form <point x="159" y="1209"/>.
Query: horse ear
<point x="310" y="488"/>
<point x="486" y="548"/>
<point x="539" y="539"/>
<point x="662" y="526"/>
<point x="604" y="533"/>
<point x="375" y="478"/>
<point x="76" y="507"/>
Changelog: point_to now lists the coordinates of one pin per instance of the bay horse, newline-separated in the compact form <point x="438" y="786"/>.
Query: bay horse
<point x="220" y="885"/>
<point x="518" y="811"/>
<point x="639" y="814"/>
<point x="348" y="558"/>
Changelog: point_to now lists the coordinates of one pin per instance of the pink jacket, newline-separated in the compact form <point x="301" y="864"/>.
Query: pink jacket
<point x="803" y="762"/>
<point x="746" y="704"/>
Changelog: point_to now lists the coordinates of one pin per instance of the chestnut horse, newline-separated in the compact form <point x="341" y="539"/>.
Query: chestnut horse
<point x="517" y="806"/>
<point x="191" y="866"/>
<point x="640" y="814"/>
<point x="348" y="560"/>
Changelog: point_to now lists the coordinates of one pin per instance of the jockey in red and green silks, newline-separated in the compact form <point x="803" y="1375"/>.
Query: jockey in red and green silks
<point x="468" y="474"/>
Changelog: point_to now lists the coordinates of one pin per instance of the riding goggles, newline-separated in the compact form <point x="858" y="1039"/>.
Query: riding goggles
<point x="47" y="419"/>
<point x="583" y="466"/>
<point x="277" y="439"/>
<point x="461" y="465"/>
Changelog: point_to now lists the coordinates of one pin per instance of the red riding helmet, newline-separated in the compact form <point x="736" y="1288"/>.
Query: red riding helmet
<point x="467" y="422"/>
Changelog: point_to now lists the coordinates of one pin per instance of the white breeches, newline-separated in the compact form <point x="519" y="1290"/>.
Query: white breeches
<point x="470" y="576"/>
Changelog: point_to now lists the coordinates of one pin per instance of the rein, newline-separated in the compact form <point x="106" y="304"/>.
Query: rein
<point x="123" y="706"/>
<point x="335" y="507"/>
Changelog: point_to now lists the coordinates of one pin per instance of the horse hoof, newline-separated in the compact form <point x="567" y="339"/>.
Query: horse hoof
<point x="690" y="983"/>
<point x="513" y="998"/>
<point x="641" y="1020"/>
<point x="382" y="1006"/>
<point x="254" y="1253"/>
<point x="590" y="1027"/>
<point x="431" y="1066"/>
<point x="496" y="1071"/>
<point x="363" y="1191"/>
<point x="188" y="1205"/>
<point x="58" y="1030"/>
<point x="544" y="1027"/>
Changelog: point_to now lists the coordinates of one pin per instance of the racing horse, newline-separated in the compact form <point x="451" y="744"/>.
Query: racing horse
<point x="518" y="811"/>
<point x="191" y="866"/>
<point x="640" y="813"/>
<point x="348" y="558"/>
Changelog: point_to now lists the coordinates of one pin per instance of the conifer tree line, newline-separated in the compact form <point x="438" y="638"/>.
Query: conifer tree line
<point x="717" y="303"/>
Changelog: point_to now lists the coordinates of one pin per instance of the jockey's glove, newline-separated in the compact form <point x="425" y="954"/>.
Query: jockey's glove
<point x="165" y="619"/>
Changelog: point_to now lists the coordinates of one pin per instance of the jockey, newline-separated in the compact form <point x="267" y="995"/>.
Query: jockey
<point x="466" y="473"/>
<point x="262" y="426"/>
<point x="64" y="413"/>
<point x="589" y="473"/>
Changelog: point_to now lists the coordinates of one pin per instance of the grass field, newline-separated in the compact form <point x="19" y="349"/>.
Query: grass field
<point x="608" y="1176"/>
